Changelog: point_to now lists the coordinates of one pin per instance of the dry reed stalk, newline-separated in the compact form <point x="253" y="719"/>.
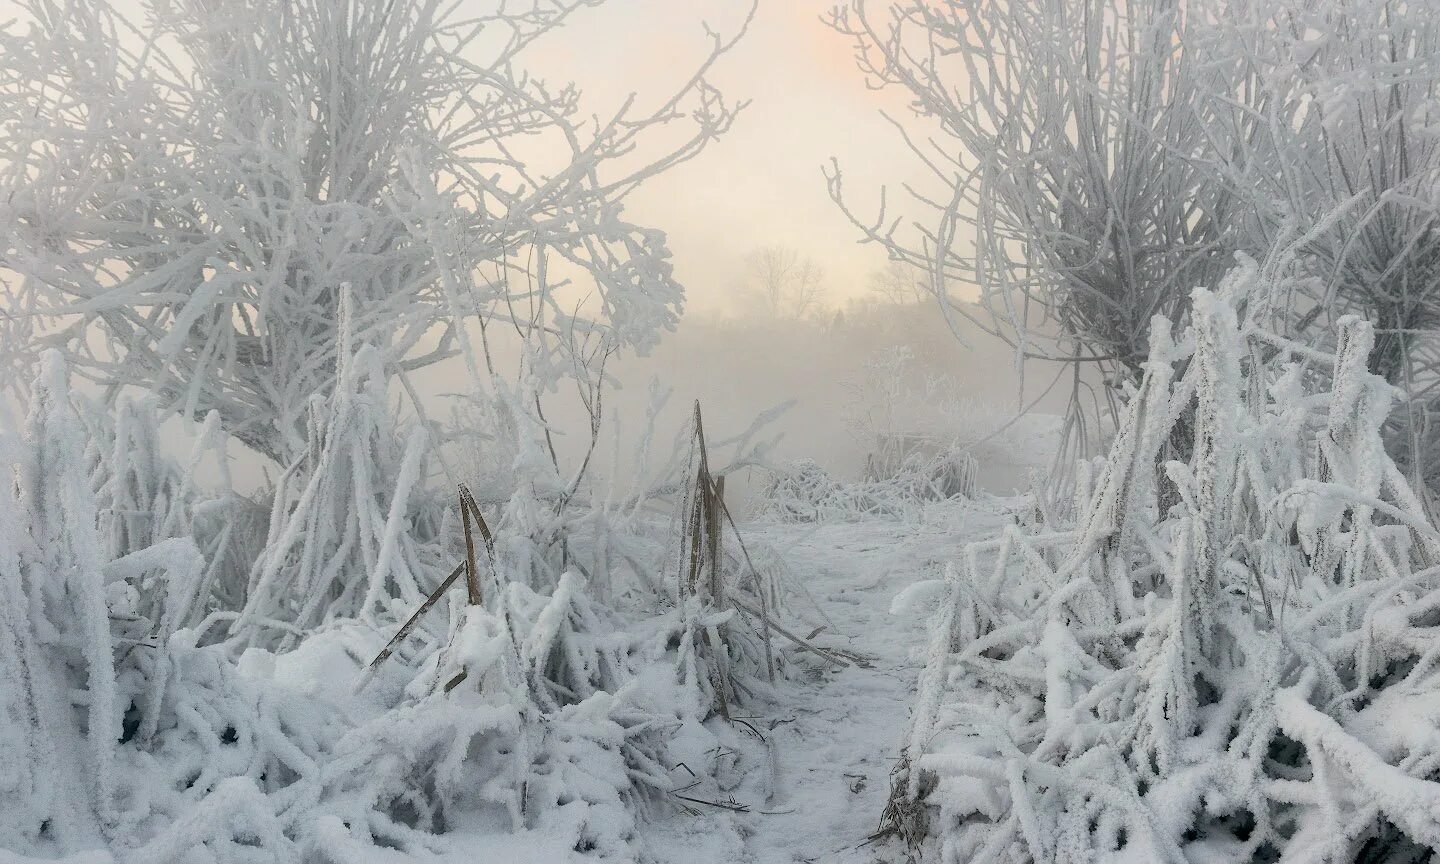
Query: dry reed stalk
<point x="469" y="511"/>
<point x="708" y="514"/>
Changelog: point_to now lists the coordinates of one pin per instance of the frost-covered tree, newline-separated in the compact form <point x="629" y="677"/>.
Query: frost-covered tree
<point x="189" y="191"/>
<point x="1094" y="162"/>
<point x="1061" y="178"/>
<point x="784" y="282"/>
<point x="899" y="284"/>
<point x="273" y="213"/>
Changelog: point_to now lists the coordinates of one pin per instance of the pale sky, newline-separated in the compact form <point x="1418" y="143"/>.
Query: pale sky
<point x="762" y="183"/>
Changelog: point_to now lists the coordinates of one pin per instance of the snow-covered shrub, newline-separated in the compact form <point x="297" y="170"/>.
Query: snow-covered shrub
<point x="1101" y="158"/>
<point x="899" y="482"/>
<point x="925" y="471"/>
<point x="1245" y="674"/>
<point x="540" y="714"/>
<point x="805" y="492"/>
<point x="799" y="492"/>
<point x="918" y="430"/>
<point x="1077" y="170"/>
<point x="145" y="722"/>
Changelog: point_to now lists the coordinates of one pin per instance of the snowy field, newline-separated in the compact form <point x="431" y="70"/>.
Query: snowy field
<point x="724" y="432"/>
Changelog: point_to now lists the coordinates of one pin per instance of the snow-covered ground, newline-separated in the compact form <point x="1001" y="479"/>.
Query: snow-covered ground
<point x="835" y="732"/>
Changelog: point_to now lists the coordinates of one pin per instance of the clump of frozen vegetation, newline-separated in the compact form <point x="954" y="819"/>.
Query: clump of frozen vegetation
<point x="152" y="714"/>
<point x="1223" y="658"/>
<point x="1212" y="643"/>
<point x="900" y="482"/>
<point x="920" y="441"/>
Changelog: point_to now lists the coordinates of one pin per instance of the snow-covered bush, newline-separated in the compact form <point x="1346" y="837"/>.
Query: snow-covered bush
<point x="1228" y="658"/>
<point x="892" y="488"/>
<point x="144" y="720"/>
<point x="917" y="438"/>
<point x="802" y="492"/>
<point x="916" y="434"/>
<point x="925" y="471"/>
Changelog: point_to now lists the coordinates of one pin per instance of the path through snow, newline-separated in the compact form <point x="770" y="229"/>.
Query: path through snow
<point x="836" y="731"/>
